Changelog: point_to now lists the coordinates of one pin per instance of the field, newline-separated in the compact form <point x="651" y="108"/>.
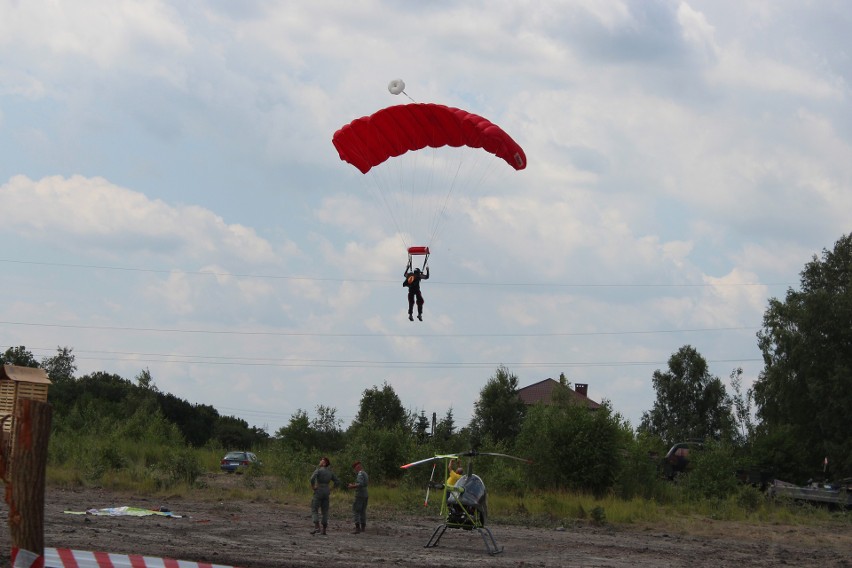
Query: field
<point x="255" y="534"/>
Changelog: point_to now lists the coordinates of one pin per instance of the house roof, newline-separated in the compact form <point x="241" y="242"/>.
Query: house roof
<point x="542" y="393"/>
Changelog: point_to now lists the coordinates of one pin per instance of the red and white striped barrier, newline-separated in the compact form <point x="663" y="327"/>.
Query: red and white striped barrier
<point x="66" y="558"/>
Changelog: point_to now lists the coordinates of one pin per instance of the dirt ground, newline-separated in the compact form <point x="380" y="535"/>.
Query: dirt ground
<point x="265" y="535"/>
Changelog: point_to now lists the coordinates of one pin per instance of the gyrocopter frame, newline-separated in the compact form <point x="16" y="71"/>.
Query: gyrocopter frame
<point x="464" y="504"/>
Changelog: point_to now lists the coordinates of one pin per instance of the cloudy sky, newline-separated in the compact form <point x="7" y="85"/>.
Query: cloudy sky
<point x="171" y="198"/>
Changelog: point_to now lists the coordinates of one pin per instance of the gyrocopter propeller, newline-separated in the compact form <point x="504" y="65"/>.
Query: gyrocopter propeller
<point x="464" y="503"/>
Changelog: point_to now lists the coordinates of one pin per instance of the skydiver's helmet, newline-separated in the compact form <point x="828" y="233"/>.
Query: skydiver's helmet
<point x="416" y="271"/>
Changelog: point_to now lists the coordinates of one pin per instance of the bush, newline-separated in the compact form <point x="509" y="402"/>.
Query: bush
<point x="638" y="476"/>
<point x="572" y="448"/>
<point x="750" y="498"/>
<point x="181" y="466"/>
<point x="382" y="451"/>
<point x="713" y="474"/>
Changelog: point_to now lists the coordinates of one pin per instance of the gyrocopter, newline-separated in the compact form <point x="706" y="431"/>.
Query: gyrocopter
<point x="464" y="503"/>
<point x="419" y="157"/>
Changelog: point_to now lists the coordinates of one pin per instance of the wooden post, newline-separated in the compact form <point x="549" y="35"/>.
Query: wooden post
<point x="25" y="480"/>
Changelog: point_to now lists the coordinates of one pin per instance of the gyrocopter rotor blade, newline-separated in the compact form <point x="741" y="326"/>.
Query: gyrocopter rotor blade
<point x="474" y="453"/>
<point x="429" y="460"/>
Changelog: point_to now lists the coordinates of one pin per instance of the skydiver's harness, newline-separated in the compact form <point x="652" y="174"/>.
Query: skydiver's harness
<point x="417" y="251"/>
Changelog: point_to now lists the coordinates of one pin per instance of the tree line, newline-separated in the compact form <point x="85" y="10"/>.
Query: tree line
<point x="794" y="421"/>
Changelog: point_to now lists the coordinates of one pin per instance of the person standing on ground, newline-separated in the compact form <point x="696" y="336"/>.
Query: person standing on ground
<point x="359" y="506"/>
<point x="320" y="480"/>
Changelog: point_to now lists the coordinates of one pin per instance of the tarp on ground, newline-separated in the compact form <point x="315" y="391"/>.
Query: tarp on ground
<point x="124" y="512"/>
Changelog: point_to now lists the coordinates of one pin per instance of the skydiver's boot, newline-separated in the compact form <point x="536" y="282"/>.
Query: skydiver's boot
<point x="316" y="528"/>
<point x="357" y="529"/>
<point x="420" y="316"/>
<point x="410" y="317"/>
<point x="324" y="526"/>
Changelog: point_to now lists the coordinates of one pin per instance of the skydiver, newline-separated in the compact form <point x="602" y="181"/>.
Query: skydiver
<point x="412" y="282"/>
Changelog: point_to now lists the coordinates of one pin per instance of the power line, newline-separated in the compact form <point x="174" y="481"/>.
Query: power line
<point x="394" y="281"/>
<point x="375" y="335"/>
<point x="271" y="414"/>
<point x="359" y="363"/>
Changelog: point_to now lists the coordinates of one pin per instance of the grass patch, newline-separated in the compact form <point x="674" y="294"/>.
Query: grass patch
<point x="540" y="509"/>
<point x="194" y="474"/>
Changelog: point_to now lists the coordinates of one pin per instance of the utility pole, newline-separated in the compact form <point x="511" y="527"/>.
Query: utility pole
<point x="22" y="465"/>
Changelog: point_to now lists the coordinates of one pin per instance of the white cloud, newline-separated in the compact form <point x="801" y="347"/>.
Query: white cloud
<point x="678" y="151"/>
<point x="697" y="30"/>
<point x="98" y="215"/>
<point x="102" y="33"/>
<point x="176" y="293"/>
<point x="738" y="69"/>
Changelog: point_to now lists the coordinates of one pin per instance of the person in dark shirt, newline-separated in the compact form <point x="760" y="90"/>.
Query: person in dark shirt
<point x="412" y="282"/>
<point x="359" y="506"/>
<point x="320" y="480"/>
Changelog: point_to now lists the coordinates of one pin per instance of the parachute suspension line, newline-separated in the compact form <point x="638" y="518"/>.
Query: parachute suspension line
<point x="373" y="143"/>
<point x="410" y="188"/>
<point x="385" y="184"/>
<point x="478" y="168"/>
<point x="427" y="210"/>
<point x="393" y="217"/>
<point x="397" y="87"/>
<point x="391" y="176"/>
<point x="440" y="213"/>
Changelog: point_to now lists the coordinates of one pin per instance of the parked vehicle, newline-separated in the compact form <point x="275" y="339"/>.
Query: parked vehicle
<point x="835" y="495"/>
<point x="238" y="462"/>
<point x="676" y="461"/>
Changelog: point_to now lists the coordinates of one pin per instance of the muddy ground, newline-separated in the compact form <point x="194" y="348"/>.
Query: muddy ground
<point x="255" y="534"/>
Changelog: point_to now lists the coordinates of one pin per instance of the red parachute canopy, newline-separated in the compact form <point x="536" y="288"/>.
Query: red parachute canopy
<point x="393" y="131"/>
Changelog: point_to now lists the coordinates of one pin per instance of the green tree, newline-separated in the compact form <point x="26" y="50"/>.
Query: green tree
<point x="446" y="427"/>
<point x="297" y="435"/>
<point x="110" y="392"/>
<point x="145" y="381"/>
<point x="499" y="413"/>
<point x="143" y="396"/>
<point x="742" y="403"/>
<point x="691" y="403"/>
<point x="60" y="370"/>
<point x="572" y="447"/>
<point x="421" y="428"/>
<point x="327" y="434"/>
<point x="562" y="393"/>
<point x="19" y="356"/>
<point x="196" y="421"/>
<point x="804" y="388"/>
<point x="383" y="450"/>
<point x="381" y="407"/>
<point x="60" y="367"/>
<point x="233" y="432"/>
